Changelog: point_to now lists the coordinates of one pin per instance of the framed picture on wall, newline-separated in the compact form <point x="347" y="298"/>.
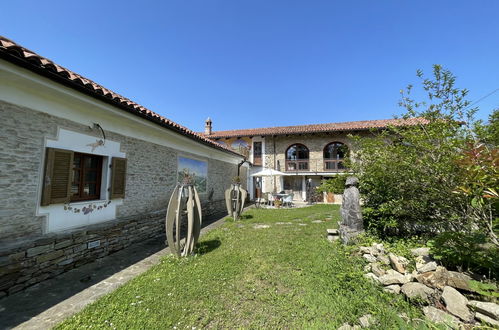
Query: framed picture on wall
<point x="196" y="169"/>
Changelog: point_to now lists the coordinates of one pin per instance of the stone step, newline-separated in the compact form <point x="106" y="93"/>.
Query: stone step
<point x="333" y="232"/>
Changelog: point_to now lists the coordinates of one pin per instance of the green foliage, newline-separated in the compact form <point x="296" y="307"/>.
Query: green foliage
<point x="489" y="132"/>
<point x="398" y="245"/>
<point x="480" y="175"/>
<point x="466" y="251"/>
<point x="414" y="179"/>
<point x="335" y="185"/>
<point x="486" y="289"/>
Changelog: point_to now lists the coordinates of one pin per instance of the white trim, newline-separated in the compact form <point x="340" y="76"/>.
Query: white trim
<point x="59" y="219"/>
<point x="314" y="173"/>
<point x="304" y="189"/>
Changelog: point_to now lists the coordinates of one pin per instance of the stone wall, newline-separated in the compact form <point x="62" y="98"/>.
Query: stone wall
<point x="53" y="254"/>
<point x="27" y="254"/>
<point x="275" y="157"/>
<point x="315" y="144"/>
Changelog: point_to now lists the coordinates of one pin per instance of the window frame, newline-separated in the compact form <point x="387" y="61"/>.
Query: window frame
<point x="257" y="153"/>
<point x="297" y="164"/>
<point x="335" y="164"/>
<point x="82" y="173"/>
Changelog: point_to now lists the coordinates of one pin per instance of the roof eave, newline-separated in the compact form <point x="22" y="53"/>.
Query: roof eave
<point x="25" y="63"/>
<point x="214" y="136"/>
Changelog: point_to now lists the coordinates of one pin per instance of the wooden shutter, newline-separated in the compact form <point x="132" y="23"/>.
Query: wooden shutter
<point x="57" y="176"/>
<point x="118" y="177"/>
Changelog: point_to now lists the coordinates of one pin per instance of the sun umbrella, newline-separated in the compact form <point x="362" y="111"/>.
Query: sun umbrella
<point x="269" y="172"/>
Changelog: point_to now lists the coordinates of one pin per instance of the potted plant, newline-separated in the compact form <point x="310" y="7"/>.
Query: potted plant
<point x="236" y="180"/>
<point x="277" y="203"/>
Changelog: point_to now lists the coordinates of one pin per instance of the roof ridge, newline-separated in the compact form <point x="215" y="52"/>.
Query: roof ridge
<point x="292" y="126"/>
<point x="317" y="128"/>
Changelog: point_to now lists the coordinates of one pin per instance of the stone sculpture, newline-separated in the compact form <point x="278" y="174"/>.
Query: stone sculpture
<point x="351" y="224"/>
<point x="234" y="199"/>
<point x="184" y="199"/>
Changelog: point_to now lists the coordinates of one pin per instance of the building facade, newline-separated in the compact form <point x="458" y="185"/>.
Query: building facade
<point x="86" y="172"/>
<point x="305" y="154"/>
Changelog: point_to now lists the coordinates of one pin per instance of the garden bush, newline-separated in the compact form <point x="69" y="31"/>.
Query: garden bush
<point x="466" y="252"/>
<point x="335" y="185"/>
<point x="436" y="173"/>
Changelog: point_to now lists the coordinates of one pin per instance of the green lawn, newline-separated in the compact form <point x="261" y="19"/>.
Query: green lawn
<point x="284" y="276"/>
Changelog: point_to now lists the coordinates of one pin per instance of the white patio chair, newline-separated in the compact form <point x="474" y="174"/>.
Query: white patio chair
<point x="288" y="200"/>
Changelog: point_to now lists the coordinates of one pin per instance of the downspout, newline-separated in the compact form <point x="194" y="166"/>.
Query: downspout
<point x="241" y="164"/>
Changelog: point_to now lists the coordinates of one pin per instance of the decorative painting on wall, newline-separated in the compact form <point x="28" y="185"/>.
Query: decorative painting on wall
<point x="197" y="170"/>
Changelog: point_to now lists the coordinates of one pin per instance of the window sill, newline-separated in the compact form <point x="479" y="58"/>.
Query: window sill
<point x="75" y="203"/>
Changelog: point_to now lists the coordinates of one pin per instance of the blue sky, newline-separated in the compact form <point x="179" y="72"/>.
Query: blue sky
<point x="264" y="63"/>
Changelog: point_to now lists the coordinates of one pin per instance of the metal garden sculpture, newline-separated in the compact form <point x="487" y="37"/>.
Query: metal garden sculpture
<point x="184" y="199"/>
<point x="234" y="199"/>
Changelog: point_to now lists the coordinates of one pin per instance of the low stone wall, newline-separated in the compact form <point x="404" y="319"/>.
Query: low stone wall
<point x="23" y="264"/>
<point x="443" y="294"/>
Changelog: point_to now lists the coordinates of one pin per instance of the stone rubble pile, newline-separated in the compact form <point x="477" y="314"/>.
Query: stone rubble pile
<point x="365" y="321"/>
<point x="439" y="290"/>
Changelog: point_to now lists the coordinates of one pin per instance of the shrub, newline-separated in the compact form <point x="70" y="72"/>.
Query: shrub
<point x="415" y="179"/>
<point x="335" y="185"/>
<point x="466" y="251"/>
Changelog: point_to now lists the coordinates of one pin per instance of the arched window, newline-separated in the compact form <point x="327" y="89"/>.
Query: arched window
<point x="297" y="157"/>
<point x="334" y="156"/>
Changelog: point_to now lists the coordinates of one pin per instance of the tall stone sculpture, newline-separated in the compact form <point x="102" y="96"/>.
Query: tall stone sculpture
<point x="351" y="215"/>
<point x="234" y="199"/>
<point x="184" y="198"/>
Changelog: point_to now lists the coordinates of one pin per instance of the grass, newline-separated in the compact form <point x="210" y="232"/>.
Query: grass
<point x="284" y="276"/>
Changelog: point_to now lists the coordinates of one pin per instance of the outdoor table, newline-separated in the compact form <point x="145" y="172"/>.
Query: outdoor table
<point x="280" y="195"/>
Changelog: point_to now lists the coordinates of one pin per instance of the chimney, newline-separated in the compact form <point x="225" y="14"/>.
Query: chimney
<point x="207" y="126"/>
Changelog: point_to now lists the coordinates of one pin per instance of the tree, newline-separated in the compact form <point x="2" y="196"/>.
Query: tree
<point x="489" y="133"/>
<point x="480" y="166"/>
<point x="411" y="174"/>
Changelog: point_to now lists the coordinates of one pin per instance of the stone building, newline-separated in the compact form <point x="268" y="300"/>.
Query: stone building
<point x="85" y="172"/>
<point x="304" y="153"/>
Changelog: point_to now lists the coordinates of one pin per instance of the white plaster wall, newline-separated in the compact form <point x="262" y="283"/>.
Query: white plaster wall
<point x="59" y="217"/>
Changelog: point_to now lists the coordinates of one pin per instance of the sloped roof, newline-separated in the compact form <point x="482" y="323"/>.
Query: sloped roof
<point x="317" y="128"/>
<point x="14" y="53"/>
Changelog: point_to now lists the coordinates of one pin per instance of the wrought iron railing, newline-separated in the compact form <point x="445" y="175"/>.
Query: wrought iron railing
<point x="334" y="165"/>
<point x="314" y="166"/>
<point x="297" y="165"/>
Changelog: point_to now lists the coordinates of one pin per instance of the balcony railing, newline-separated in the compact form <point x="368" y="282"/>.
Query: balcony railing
<point x="297" y="165"/>
<point x="314" y="165"/>
<point x="334" y="165"/>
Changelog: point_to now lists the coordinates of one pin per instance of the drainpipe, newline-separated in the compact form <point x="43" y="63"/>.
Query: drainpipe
<point x="241" y="164"/>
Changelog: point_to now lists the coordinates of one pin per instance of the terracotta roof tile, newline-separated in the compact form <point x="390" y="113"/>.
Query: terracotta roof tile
<point x="317" y="128"/>
<point x="19" y="55"/>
